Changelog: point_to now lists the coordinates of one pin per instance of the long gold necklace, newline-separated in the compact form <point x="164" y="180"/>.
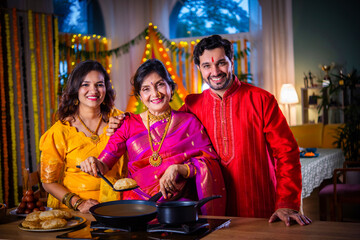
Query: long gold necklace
<point x="94" y="137"/>
<point x="155" y="159"/>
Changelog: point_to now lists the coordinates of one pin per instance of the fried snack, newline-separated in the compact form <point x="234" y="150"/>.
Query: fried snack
<point x="53" y="223"/>
<point x="31" y="224"/>
<point x="33" y="217"/>
<point x="47" y="215"/>
<point x="125" y="183"/>
<point x="309" y="154"/>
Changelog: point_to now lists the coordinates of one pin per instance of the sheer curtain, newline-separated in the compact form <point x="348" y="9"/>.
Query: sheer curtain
<point x="124" y="20"/>
<point x="277" y="44"/>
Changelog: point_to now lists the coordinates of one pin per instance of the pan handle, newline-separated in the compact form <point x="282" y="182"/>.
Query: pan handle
<point x="205" y="200"/>
<point x="103" y="177"/>
<point x="156" y="197"/>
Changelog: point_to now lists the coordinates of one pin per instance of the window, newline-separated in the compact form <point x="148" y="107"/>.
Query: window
<point x="191" y="18"/>
<point x="79" y="16"/>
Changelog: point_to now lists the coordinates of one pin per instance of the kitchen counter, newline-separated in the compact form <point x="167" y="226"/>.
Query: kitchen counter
<point x="239" y="228"/>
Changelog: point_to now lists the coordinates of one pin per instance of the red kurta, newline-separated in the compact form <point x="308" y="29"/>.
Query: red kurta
<point x="259" y="155"/>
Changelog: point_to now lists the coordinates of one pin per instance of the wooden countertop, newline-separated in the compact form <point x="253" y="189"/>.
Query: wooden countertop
<point x="239" y="228"/>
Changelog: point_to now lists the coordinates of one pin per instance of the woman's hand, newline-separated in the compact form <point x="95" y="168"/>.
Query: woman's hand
<point x="86" y="205"/>
<point x="168" y="184"/>
<point x="114" y="124"/>
<point x="92" y="165"/>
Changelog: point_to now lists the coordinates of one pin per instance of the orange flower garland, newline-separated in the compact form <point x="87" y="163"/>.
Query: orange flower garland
<point x="12" y="109"/>
<point x="56" y="47"/>
<point x="46" y="75"/>
<point x="39" y="75"/>
<point x="51" y="67"/>
<point x="4" y="127"/>
<point x="18" y="90"/>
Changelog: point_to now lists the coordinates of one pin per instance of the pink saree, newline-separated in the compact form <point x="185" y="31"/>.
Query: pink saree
<point x="186" y="143"/>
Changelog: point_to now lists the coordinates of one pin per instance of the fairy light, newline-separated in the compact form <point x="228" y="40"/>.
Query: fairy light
<point x="136" y="103"/>
<point x="73" y="63"/>
<point x="192" y="43"/>
<point x="167" y="49"/>
<point x="144" y="59"/>
<point x="169" y="69"/>
<point x="197" y="40"/>
<point x="164" y="55"/>
<point x="99" y="37"/>
<point x="147" y="52"/>
<point x="161" y="49"/>
<point x="147" y="37"/>
<point x="73" y="40"/>
<point x="172" y="43"/>
<point x="148" y="46"/>
<point x="181" y="95"/>
<point x="150" y="24"/>
<point x="160" y="41"/>
<point x="167" y="63"/>
<point x="172" y="77"/>
<point x="94" y="35"/>
<point x="110" y="65"/>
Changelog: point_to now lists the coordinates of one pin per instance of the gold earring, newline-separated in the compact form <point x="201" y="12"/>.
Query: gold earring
<point x="76" y="102"/>
<point x="158" y="94"/>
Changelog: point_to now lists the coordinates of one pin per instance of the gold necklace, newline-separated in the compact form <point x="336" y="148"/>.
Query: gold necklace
<point x="155" y="118"/>
<point x="155" y="159"/>
<point x="94" y="137"/>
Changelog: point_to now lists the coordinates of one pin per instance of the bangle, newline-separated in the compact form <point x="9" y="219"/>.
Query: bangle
<point x="77" y="204"/>
<point x="188" y="170"/>
<point x="67" y="199"/>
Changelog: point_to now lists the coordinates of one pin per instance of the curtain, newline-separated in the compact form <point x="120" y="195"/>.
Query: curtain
<point x="277" y="44"/>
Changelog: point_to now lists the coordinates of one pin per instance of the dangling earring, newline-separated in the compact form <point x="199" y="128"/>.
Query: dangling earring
<point x="159" y="94"/>
<point x="76" y="102"/>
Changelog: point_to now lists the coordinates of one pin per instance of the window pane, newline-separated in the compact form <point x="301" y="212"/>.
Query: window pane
<point x="72" y="16"/>
<point x="206" y="17"/>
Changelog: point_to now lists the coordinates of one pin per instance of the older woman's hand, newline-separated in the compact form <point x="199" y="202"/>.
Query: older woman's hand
<point x="168" y="184"/>
<point x="92" y="165"/>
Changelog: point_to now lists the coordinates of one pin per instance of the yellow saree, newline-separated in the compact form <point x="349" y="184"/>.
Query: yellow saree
<point x="62" y="148"/>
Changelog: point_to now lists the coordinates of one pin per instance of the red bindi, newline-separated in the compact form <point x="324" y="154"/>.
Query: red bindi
<point x="212" y="59"/>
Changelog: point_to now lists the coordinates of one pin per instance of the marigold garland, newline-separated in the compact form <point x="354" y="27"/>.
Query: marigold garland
<point x="39" y="75"/>
<point x="3" y="198"/>
<point x="12" y="110"/>
<point x="26" y="93"/>
<point x="18" y="90"/>
<point x="51" y="67"/>
<point x="46" y="75"/>
<point x="33" y="84"/>
<point x="56" y="48"/>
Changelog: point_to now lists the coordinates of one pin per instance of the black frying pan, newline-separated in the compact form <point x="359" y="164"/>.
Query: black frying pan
<point x="126" y="212"/>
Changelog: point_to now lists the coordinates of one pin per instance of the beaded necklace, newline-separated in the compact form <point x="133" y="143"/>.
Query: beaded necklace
<point x="94" y="137"/>
<point x="155" y="159"/>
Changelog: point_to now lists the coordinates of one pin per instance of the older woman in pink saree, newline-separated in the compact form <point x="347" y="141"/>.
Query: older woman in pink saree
<point x="169" y="151"/>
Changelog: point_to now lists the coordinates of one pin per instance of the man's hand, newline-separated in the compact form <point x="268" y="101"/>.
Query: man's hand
<point x="286" y="215"/>
<point x="114" y="124"/>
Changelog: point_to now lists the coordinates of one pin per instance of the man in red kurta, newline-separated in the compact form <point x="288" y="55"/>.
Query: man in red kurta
<point x="259" y="155"/>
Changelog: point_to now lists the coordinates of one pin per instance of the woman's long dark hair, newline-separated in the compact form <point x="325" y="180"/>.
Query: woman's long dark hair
<point x="69" y="100"/>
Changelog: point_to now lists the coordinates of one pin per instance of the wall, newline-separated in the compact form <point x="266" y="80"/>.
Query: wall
<point x="325" y="32"/>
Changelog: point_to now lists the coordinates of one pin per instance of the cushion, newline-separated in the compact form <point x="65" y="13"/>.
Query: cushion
<point x="329" y="135"/>
<point x="308" y="135"/>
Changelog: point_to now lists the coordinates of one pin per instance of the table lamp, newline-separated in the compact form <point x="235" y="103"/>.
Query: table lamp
<point x="288" y="96"/>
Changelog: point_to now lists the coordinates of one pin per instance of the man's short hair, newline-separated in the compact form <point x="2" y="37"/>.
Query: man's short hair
<point x="212" y="42"/>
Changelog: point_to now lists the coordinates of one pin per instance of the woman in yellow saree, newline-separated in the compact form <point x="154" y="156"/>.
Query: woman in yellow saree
<point x="85" y="107"/>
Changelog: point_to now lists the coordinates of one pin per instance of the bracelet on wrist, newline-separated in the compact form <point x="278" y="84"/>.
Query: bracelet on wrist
<point x="78" y="203"/>
<point x="67" y="199"/>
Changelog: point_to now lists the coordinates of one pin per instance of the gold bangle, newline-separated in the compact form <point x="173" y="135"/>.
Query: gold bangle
<point x="67" y="199"/>
<point x="188" y="170"/>
<point x="78" y="202"/>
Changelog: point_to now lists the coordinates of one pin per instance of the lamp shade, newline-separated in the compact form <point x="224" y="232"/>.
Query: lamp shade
<point x="288" y="94"/>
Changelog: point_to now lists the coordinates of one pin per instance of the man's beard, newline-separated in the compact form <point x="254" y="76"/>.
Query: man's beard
<point x="222" y="86"/>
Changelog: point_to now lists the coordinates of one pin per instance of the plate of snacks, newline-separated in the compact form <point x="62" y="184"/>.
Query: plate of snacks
<point x="52" y="220"/>
<point x="309" y="154"/>
<point x="29" y="203"/>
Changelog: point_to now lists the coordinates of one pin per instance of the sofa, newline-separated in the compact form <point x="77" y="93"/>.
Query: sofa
<point x="315" y="135"/>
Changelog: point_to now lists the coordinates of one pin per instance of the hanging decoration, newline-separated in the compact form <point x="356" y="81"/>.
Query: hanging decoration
<point x="4" y="172"/>
<point x="12" y="109"/>
<point x="18" y="90"/>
